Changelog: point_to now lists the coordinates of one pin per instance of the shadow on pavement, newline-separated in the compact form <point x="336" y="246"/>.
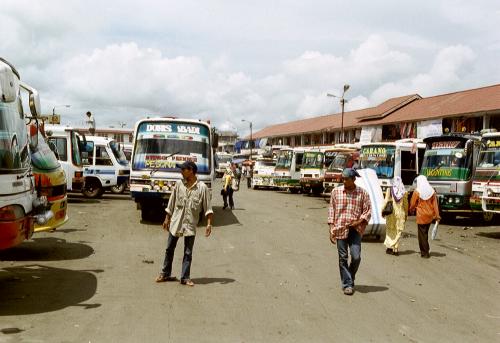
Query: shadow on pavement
<point x="82" y="201"/>
<point x="494" y="235"/>
<point x="208" y="280"/>
<point x="33" y="289"/>
<point x="224" y="217"/>
<point x="370" y="289"/>
<point x="407" y="252"/>
<point x="437" y="254"/>
<point x="69" y="230"/>
<point x="46" y="249"/>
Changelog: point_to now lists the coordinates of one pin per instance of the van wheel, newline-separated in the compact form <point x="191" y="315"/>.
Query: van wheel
<point x="93" y="190"/>
<point x="118" y="189"/>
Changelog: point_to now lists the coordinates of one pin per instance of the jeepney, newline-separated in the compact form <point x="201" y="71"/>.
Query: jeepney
<point x="287" y="170"/>
<point x="262" y="176"/>
<point x="486" y="180"/>
<point x="449" y="164"/>
<point x="401" y="158"/>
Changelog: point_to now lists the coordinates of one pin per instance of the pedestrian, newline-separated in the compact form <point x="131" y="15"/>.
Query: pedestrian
<point x="395" y="222"/>
<point x="189" y="198"/>
<point x="424" y="201"/>
<point x="237" y="175"/>
<point x="227" y="188"/>
<point x="249" y="176"/>
<point x="90" y="122"/>
<point x="348" y="214"/>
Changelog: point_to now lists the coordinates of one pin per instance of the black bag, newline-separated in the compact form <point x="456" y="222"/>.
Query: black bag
<point x="222" y="191"/>
<point x="388" y="209"/>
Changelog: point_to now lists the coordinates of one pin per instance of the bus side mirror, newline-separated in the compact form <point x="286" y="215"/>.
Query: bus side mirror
<point x="34" y="101"/>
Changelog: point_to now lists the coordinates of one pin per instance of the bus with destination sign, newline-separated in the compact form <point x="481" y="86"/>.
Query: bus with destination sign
<point x="486" y="180"/>
<point x="160" y="145"/>
<point x="401" y="158"/>
<point x="287" y="170"/>
<point x="449" y="164"/>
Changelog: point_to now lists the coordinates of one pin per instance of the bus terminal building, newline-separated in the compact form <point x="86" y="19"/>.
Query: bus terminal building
<point x="410" y="116"/>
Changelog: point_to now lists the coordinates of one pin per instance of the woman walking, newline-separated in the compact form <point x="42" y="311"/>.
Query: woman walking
<point x="424" y="200"/>
<point x="395" y="222"/>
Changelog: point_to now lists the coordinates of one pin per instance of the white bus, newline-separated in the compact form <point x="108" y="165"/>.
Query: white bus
<point x="160" y="145"/>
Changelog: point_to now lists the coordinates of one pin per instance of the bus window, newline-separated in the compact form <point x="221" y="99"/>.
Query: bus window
<point x="101" y="157"/>
<point x="61" y="147"/>
<point x="298" y="161"/>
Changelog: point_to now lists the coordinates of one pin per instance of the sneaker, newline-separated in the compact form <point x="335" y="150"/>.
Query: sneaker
<point x="348" y="291"/>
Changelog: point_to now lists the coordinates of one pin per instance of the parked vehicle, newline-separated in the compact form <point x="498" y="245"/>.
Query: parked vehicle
<point x="486" y="180"/>
<point x="68" y="143"/>
<point x="401" y="158"/>
<point x="160" y="144"/>
<point x="449" y="164"/>
<point x="105" y="167"/>
<point x="20" y="206"/>
<point x="50" y="180"/>
<point x="223" y="161"/>
<point x="263" y="173"/>
<point x="287" y="170"/>
<point x="312" y="171"/>
<point x="344" y="158"/>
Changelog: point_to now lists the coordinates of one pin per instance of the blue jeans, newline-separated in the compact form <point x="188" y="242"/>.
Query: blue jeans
<point x="186" y="261"/>
<point x="348" y="272"/>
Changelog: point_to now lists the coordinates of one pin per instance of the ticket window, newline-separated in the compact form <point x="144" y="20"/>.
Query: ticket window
<point x="101" y="156"/>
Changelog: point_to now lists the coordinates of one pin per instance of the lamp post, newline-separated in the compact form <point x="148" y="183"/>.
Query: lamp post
<point x="342" y="103"/>
<point x="251" y="141"/>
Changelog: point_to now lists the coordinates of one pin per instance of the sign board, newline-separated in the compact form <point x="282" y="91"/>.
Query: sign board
<point x="429" y="128"/>
<point x="370" y="134"/>
<point x="54" y="119"/>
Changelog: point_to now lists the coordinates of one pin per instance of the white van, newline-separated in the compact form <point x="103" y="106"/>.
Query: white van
<point x="105" y="166"/>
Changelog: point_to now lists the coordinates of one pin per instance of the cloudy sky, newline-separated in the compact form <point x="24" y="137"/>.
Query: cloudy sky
<point x="262" y="61"/>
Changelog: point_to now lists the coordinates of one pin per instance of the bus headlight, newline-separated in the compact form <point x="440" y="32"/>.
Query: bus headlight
<point x="457" y="200"/>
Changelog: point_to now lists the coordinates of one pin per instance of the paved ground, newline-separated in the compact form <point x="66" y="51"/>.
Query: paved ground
<point x="267" y="274"/>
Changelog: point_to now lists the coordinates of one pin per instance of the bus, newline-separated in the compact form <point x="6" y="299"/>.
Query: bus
<point x="401" y="158"/>
<point x="312" y="171"/>
<point x="344" y="158"/>
<point x="287" y="170"/>
<point x="449" y="164"/>
<point x="160" y="145"/>
<point x="486" y="180"/>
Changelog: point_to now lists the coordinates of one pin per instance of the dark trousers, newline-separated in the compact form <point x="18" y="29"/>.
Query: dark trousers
<point x="186" y="261"/>
<point x="348" y="271"/>
<point x="249" y="182"/>
<point x="228" y="194"/>
<point x="423" y="238"/>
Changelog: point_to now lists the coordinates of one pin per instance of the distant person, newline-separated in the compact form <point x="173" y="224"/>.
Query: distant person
<point x="237" y="175"/>
<point x="227" y="188"/>
<point x="90" y="122"/>
<point x="424" y="201"/>
<point x="249" y="176"/>
<point x="395" y="222"/>
<point x="189" y="198"/>
<point x="348" y="214"/>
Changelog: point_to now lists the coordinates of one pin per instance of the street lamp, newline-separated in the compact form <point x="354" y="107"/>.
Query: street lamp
<point x="251" y="142"/>
<point x="342" y="103"/>
<point x="54" y="108"/>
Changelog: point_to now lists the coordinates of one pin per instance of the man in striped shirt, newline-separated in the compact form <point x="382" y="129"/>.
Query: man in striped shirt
<point x="348" y="214"/>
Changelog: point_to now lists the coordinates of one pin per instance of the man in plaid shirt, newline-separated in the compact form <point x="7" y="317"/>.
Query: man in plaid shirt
<point x="348" y="214"/>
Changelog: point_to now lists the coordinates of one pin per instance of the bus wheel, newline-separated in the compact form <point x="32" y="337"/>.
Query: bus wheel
<point x="93" y="190"/>
<point x="488" y="217"/>
<point x="118" y="189"/>
<point x="144" y="213"/>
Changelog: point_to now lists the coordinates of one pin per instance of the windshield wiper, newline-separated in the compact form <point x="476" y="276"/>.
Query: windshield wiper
<point x="154" y="170"/>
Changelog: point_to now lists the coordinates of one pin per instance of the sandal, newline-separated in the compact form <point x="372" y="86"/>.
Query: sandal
<point x="187" y="282"/>
<point x="163" y="278"/>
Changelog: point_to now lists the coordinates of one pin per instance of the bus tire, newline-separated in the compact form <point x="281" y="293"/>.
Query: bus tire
<point x="488" y="217"/>
<point x="92" y="190"/>
<point x="144" y="213"/>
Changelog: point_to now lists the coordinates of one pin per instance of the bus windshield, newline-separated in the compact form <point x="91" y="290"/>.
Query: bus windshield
<point x="340" y="162"/>
<point x="313" y="160"/>
<point x="14" y="155"/>
<point x="163" y="145"/>
<point x="490" y="153"/>
<point x="379" y="158"/>
<point x="118" y="153"/>
<point x="42" y="157"/>
<point x="284" y="160"/>
<point x="449" y="164"/>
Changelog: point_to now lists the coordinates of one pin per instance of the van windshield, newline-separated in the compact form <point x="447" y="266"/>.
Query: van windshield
<point x="14" y="154"/>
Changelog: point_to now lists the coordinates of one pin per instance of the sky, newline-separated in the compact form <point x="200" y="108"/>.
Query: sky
<point x="264" y="62"/>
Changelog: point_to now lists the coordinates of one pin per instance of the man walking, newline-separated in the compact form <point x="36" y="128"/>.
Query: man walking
<point x="186" y="202"/>
<point x="348" y="214"/>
